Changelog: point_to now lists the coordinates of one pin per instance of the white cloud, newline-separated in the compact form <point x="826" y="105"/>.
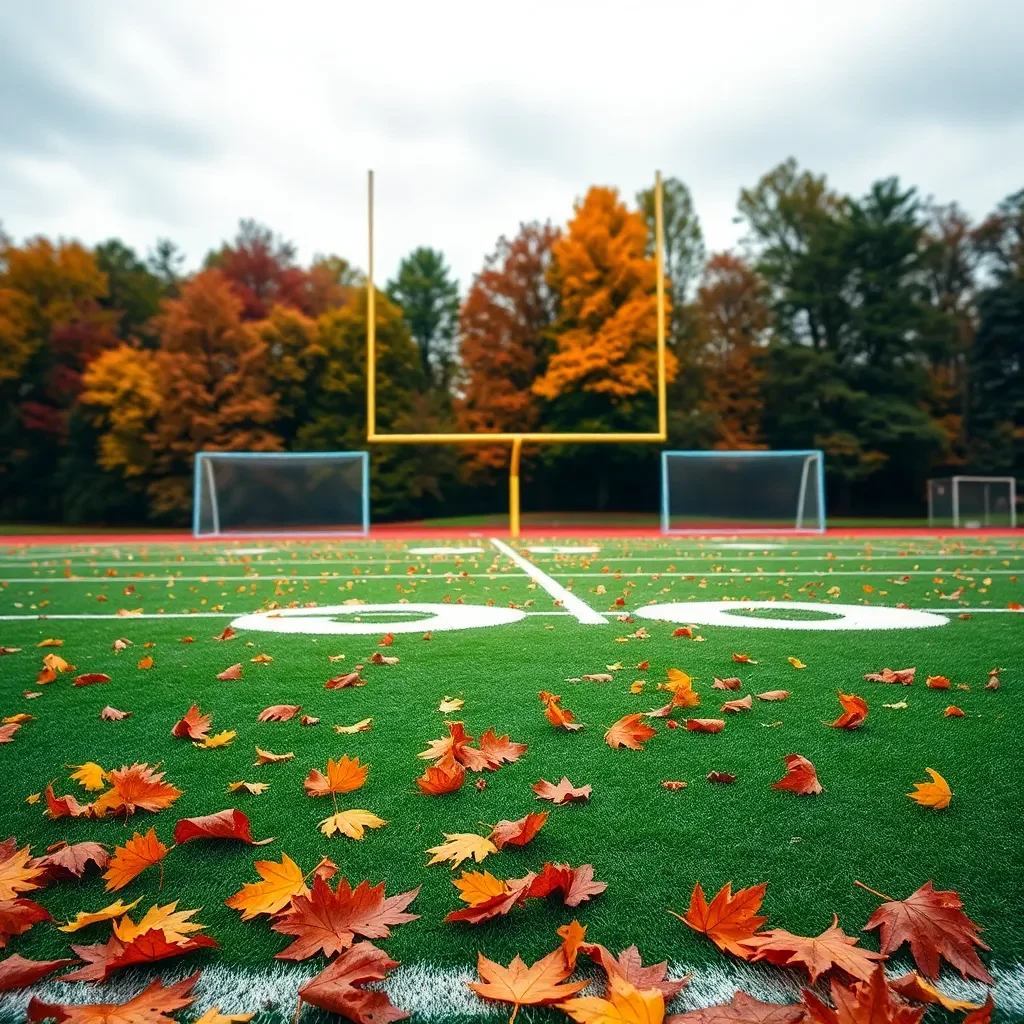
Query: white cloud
<point x="141" y="119"/>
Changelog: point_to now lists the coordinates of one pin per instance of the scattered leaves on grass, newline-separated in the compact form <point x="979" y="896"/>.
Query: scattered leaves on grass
<point x="280" y="882"/>
<point x="518" y="833"/>
<point x="562" y="793"/>
<point x="337" y="987"/>
<point x="935" y="794"/>
<point x="226" y="824"/>
<point x="855" y="711"/>
<point x="492" y="752"/>
<point x="832" y="948"/>
<point x="130" y="860"/>
<point x="342" y="776"/>
<point x="800" y="778"/>
<point x="327" y="922"/>
<point x="729" y="918"/>
<point x="136" y="788"/>
<point x="629" y="967"/>
<point x="352" y="823"/>
<point x="194" y="725"/>
<point x="150" y="1006"/>
<point x="364" y="725"/>
<point x="933" y="923"/>
<point x="629" y="731"/>
<point x="444" y="777"/>
<point x="624" y="1002"/>
<point x="461" y="846"/>
<point x="232" y="672"/>
<point x="539" y="985"/>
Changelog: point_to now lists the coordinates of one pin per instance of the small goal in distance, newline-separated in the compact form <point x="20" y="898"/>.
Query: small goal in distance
<point x="742" y="491"/>
<point x="264" y="494"/>
<point x="972" y="502"/>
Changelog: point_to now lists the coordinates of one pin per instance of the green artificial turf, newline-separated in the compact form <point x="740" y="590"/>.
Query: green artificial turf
<point x="649" y="844"/>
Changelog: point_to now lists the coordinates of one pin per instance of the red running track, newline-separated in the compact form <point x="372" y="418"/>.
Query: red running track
<point x="412" y="531"/>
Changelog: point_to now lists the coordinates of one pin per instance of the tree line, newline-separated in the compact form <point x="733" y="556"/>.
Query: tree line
<point x="885" y="329"/>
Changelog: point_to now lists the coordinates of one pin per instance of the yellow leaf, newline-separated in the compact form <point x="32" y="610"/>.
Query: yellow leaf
<point x="461" y="846"/>
<point x="33" y="798"/>
<point x="676" y="678"/>
<point x="90" y="775"/>
<point x="450" y="704"/>
<point x="934" y="794"/>
<point x="477" y="887"/>
<point x="796" y="662"/>
<point x="280" y="883"/>
<point x="267" y="757"/>
<point x="214" y="1016"/>
<point x="342" y="776"/>
<point x="262" y="659"/>
<point x="176" y="926"/>
<point x="348" y="730"/>
<point x="914" y="987"/>
<point x="55" y="663"/>
<point x="255" y="788"/>
<point x="83" y="919"/>
<point x="222" y="739"/>
<point x="19" y="719"/>
<point x="50" y="643"/>
<point x="625" y="1005"/>
<point x="637" y="687"/>
<point x="130" y="860"/>
<point x="18" y="874"/>
<point x="352" y="823"/>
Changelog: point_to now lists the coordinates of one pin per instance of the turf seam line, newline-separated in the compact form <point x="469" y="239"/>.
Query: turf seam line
<point x="584" y="614"/>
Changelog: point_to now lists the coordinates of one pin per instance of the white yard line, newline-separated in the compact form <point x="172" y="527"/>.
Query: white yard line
<point x="192" y="615"/>
<point x="774" y="573"/>
<point x="252" y="577"/>
<point x="585" y="615"/>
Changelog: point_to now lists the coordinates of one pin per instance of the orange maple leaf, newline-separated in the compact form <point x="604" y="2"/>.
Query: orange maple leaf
<point x="130" y="860"/>
<point x="133" y="788"/>
<point x="540" y="985"/>
<point x="564" y="792"/>
<point x="629" y="731"/>
<point x="18" y="871"/>
<point x="935" y="794"/>
<point x="867" y="1000"/>
<point x="800" y="778"/>
<point x="342" y="776"/>
<point x="193" y="725"/>
<point x="855" y="711"/>
<point x="518" y="833"/>
<point x="444" y="777"/>
<point x="152" y="1005"/>
<point x="729" y="918"/>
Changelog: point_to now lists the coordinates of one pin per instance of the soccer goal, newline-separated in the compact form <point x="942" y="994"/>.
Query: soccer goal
<point x="972" y="502"/>
<point x="742" y="491"/>
<point x="281" y="493"/>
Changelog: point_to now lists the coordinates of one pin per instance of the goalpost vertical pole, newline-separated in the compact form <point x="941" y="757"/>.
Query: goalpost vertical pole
<point x="513" y="488"/>
<point x="371" y="325"/>
<point x="659" y="262"/>
<point x="212" y="484"/>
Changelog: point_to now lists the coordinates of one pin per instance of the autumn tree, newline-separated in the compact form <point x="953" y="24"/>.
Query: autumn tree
<point x="133" y="291"/>
<point x="606" y="329"/>
<point x="166" y="262"/>
<point x="731" y="327"/>
<point x="429" y="299"/>
<point x="504" y="330"/>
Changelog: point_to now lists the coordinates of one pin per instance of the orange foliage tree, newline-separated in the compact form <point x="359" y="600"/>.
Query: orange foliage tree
<point x="732" y="320"/>
<point x="504" y="326"/>
<point x="606" y="329"/>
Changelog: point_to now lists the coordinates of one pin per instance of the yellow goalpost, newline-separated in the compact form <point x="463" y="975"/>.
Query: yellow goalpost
<point x="516" y="439"/>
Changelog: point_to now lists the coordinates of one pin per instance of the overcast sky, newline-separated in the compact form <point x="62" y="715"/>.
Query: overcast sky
<point x="140" y="119"/>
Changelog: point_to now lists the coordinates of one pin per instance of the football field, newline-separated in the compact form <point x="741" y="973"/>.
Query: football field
<point x="369" y="648"/>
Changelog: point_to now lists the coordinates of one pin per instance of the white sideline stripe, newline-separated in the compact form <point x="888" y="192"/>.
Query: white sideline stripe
<point x="432" y="993"/>
<point x="585" y="615"/>
<point x="779" y="573"/>
<point x="43" y="617"/>
<point x="217" y="578"/>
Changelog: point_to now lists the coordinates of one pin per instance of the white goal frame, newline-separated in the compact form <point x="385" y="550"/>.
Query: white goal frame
<point x="203" y="469"/>
<point x="810" y="457"/>
<point x="955" y="482"/>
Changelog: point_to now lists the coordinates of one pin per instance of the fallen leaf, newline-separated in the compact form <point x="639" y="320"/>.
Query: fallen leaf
<point x="348" y="730"/>
<point x="744" y="1009"/>
<point x="935" y="794"/>
<point x="9" y="650"/>
<point x="280" y="882"/>
<point x="731" y="683"/>
<point x="450" y="704"/>
<point x="262" y="659"/>
<point x="176" y="925"/>
<point x="50" y="643"/>
<point x="729" y="918"/>
<point x="342" y="776"/>
<point x="624" y="1002"/>
<point x="800" y="778"/>
<point x="216" y="742"/>
<point x="308" y="720"/>
<point x="18" y="916"/>
<point x="146" y="662"/>
<point x="150" y="1006"/>
<point x="559" y="717"/>
<point x="743" y="659"/>
<point x="744" y="704"/>
<point x="446" y="776"/>
<point x="912" y="986"/>
<point x="7" y="732"/>
<point x="327" y="922"/>
<point x="227" y="824"/>
<point x="796" y="662"/>
<point x="773" y="695"/>
<point x="134" y="788"/>
<point x="518" y="833"/>
<point x="64" y="859"/>
<point x="279" y="712"/>
<point x="562" y="793"/>
<point x="193" y="726"/>
<point x="56" y="663"/>
<point x="83" y="919"/>
<point x="705" y="724"/>
<point x="832" y="948"/>
<point x="866" y="1001"/>
<point x="672" y="784"/>
<point x="337" y="987"/>
<point x="597" y="677"/>
<point x="64" y="806"/>
<point x="214" y="1016"/>
<point x="637" y="687"/>
<point x="344" y="681"/>
<point x="855" y="711"/>
<point x="18" y="871"/>
<point x="17" y="972"/>
<point x="254" y="788"/>
<point x="576" y="885"/>
<point x="724" y="777"/>
<point x="227" y="634"/>
<point x="130" y="860"/>
<point x="268" y="757"/>
<point x="953" y="712"/>
<point x="899" y="705"/>
<point x="109" y="714"/>
<point x="629" y="731"/>
<point x="903" y="676"/>
<point x="103" y="959"/>
<point x="934" y="924"/>
<point x="476" y="887"/>
<point x="539" y="985"/>
<point x="232" y="672"/>
<point x="91" y="679"/>
<point x="461" y="846"/>
<point x="629" y="967"/>
<point x="90" y="776"/>
<point x="983" y="1015"/>
<point x="380" y="659"/>
<point x="352" y="823"/>
<point x="937" y="683"/>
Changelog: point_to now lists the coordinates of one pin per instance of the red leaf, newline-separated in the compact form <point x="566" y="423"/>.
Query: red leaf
<point x="113" y="955"/>
<point x="17" y="972"/>
<point x="74" y="859"/>
<point x="228" y="824"/>
<point x="194" y="726"/>
<point x="800" y="777"/>
<point x="91" y="678"/>
<point x="343" y="681"/>
<point x="337" y="987"/>
<point x="518" y="833"/>
<point x="234" y="672"/>
<point x="150" y="1005"/>
<point x="705" y="724"/>
<point x="731" y="683"/>
<point x="17" y="916"/>
<point x="576" y="884"/>
<point x="743" y="704"/>
<point x="444" y="777"/>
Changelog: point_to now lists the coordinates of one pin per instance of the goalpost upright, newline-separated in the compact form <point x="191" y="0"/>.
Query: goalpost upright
<point x="517" y="439"/>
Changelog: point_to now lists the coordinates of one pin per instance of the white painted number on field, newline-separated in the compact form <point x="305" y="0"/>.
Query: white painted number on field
<point x="562" y="549"/>
<point x="429" y="617"/>
<point x="841" y="616"/>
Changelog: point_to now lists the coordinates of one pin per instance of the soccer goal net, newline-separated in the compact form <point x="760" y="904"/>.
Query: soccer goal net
<point x="742" y="491"/>
<point x="259" y="494"/>
<point x="972" y="502"/>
